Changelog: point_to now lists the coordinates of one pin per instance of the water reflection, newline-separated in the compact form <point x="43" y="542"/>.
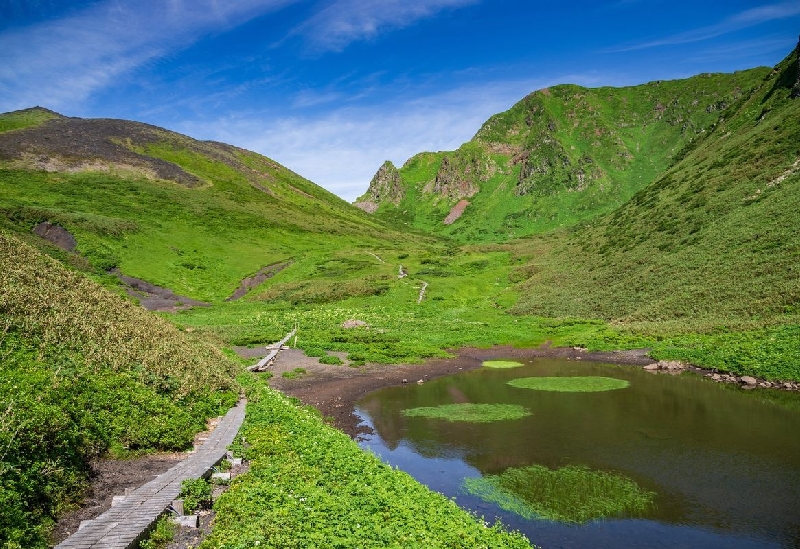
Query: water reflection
<point x="725" y="466"/>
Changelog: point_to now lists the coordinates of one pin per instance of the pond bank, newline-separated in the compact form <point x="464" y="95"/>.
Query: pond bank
<point x="334" y="390"/>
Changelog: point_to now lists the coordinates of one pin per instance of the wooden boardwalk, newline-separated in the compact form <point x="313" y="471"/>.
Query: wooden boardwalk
<point x="127" y="522"/>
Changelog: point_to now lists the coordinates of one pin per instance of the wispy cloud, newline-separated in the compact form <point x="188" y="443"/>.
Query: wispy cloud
<point x="62" y="62"/>
<point x="342" y="148"/>
<point x="741" y="20"/>
<point x="345" y="21"/>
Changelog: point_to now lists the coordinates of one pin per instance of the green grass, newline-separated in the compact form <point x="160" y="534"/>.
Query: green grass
<point x="310" y="485"/>
<point x="163" y="533"/>
<point x="86" y="373"/>
<point x="27" y="118"/>
<point x="501" y="364"/>
<point x="471" y="413"/>
<point x="563" y="155"/>
<point x="196" y="494"/>
<point x="294" y="374"/>
<point x="572" y="494"/>
<point x="584" y="384"/>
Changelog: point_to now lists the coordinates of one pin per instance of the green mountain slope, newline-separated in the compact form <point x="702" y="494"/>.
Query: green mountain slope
<point x="195" y="217"/>
<point x="559" y="156"/>
<point x="85" y="372"/>
<point x="712" y="245"/>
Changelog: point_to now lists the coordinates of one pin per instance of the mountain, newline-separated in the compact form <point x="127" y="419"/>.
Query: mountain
<point x="560" y="155"/>
<point x="713" y="241"/>
<point x="196" y="217"/>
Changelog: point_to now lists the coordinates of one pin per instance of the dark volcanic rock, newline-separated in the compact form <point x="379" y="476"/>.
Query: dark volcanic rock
<point x="385" y="186"/>
<point x="56" y="234"/>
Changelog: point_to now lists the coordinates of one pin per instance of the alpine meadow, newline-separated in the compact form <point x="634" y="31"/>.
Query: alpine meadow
<point x="661" y="219"/>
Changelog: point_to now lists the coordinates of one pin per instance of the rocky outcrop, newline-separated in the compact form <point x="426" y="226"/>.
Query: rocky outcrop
<point x="461" y="173"/>
<point x="56" y="234"/>
<point x="385" y="187"/>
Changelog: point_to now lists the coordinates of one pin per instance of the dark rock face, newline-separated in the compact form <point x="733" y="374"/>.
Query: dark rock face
<point x="56" y="234"/>
<point x="70" y="144"/>
<point x="454" y="181"/>
<point x="386" y="186"/>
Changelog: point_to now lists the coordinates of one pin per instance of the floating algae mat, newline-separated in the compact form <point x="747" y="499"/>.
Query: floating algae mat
<point x="569" y="494"/>
<point x="722" y="462"/>
<point x="501" y="364"/>
<point x="588" y="384"/>
<point x="475" y="413"/>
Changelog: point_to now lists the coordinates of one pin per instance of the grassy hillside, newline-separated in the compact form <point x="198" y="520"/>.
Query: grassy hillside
<point x="86" y="372"/>
<point x="559" y="156"/>
<point x="680" y="200"/>
<point x="712" y="245"/>
<point x="195" y="217"/>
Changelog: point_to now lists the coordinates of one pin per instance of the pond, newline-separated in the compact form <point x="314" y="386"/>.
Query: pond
<point x="718" y="466"/>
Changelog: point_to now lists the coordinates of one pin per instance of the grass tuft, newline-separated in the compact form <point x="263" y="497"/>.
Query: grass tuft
<point x="473" y="413"/>
<point x="501" y="364"/>
<point x="570" y="494"/>
<point x="584" y="384"/>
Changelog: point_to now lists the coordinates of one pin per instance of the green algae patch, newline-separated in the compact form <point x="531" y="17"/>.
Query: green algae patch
<point x="501" y="364"/>
<point x="474" y="413"/>
<point x="583" y="384"/>
<point x="574" y="494"/>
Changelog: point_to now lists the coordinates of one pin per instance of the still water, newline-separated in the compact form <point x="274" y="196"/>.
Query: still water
<point x="724" y="462"/>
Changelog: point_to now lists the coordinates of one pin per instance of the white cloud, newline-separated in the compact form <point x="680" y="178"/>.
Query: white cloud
<point x="60" y="63"/>
<point x="341" y="149"/>
<point x="345" y="21"/>
<point x="738" y="21"/>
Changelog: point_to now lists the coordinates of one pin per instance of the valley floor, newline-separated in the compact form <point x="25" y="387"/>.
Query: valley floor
<point x="335" y="390"/>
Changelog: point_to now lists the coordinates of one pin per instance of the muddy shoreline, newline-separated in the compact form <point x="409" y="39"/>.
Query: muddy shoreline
<point x="334" y="390"/>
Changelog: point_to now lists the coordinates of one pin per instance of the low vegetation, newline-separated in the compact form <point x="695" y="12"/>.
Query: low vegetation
<point x="472" y="413"/>
<point x="584" y="384"/>
<point x="501" y="364"/>
<point x="311" y="485"/>
<point x="85" y="373"/>
<point x="569" y="494"/>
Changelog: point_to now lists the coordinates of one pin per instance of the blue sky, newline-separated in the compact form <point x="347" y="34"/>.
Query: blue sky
<point x="332" y="88"/>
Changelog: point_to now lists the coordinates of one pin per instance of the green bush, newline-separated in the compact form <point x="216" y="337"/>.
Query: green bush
<point x="196" y="494"/>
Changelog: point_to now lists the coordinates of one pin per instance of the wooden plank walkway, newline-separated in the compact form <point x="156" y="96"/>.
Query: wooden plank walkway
<point x="125" y="524"/>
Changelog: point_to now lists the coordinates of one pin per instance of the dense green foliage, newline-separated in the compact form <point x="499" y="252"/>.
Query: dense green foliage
<point x="196" y="494"/>
<point x="310" y="485"/>
<point x="583" y="384"/>
<point x="473" y="413"/>
<point x="86" y="372"/>
<point x="162" y="534"/>
<point x="562" y="155"/>
<point x="569" y="494"/>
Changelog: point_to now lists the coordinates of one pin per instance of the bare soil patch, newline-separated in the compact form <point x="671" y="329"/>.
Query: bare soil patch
<point x="262" y="275"/>
<point x="109" y="478"/>
<point x="156" y="298"/>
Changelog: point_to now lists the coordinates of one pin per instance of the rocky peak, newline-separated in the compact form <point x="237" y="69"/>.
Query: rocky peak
<point x="386" y="186"/>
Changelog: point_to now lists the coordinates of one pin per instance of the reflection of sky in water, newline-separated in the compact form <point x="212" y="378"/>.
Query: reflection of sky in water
<point x="719" y="484"/>
<point x="445" y="475"/>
